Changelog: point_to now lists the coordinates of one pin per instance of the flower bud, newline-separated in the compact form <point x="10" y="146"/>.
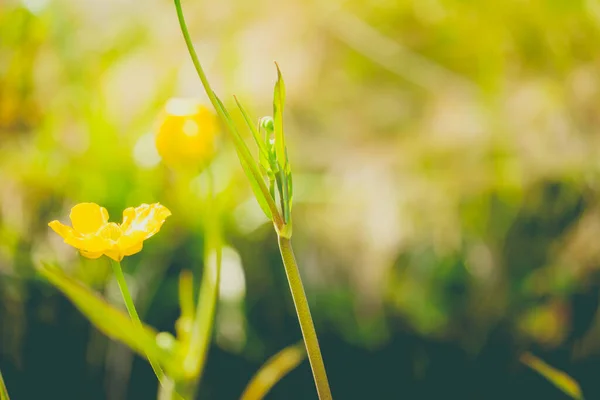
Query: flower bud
<point x="166" y="341"/>
<point x="186" y="134"/>
<point x="267" y="124"/>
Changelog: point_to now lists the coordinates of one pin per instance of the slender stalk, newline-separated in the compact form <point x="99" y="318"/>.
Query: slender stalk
<point x="167" y="391"/>
<point x="306" y="323"/>
<point x="133" y="313"/>
<point x="244" y="153"/>
<point x="283" y="230"/>
<point x="208" y="295"/>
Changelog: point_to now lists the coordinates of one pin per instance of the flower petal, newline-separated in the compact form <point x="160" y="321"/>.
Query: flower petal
<point x="147" y="218"/>
<point x="115" y="254"/>
<point x="134" y="249"/>
<point x="89" y="254"/>
<point x="88" y="217"/>
<point x="110" y="231"/>
<point x="133" y="239"/>
<point x="88" y="243"/>
<point x="128" y="218"/>
<point x="63" y="230"/>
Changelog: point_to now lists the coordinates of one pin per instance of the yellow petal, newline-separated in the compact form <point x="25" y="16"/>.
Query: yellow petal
<point x="91" y="255"/>
<point x="89" y="243"/>
<point x="111" y="232"/>
<point x="132" y="239"/>
<point x="63" y="230"/>
<point x="147" y="218"/>
<point x="134" y="249"/>
<point x="156" y="218"/>
<point x="88" y="217"/>
<point x="128" y="218"/>
<point x="115" y="254"/>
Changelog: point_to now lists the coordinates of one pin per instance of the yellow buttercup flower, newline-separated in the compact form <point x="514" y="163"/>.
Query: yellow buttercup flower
<point x="186" y="134"/>
<point x="94" y="236"/>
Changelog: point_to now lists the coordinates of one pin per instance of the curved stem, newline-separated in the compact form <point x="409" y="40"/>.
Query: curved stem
<point x="242" y="149"/>
<point x="306" y="323"/>
<point x="133" y="312"/>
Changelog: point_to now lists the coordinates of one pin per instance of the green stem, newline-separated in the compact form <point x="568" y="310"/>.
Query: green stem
<point x="306" y="323"/>
<point x="167" y="391"/>
<point x="208" y="296"/>
<point x="133" y="313"/>
<point x="241" y="147"/>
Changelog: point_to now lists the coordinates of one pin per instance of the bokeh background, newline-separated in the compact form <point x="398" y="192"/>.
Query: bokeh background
<point x="445" y="158"/>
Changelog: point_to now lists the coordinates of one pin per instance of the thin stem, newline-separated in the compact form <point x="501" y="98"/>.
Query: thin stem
<point x="306" y="323"/>
<point x="167" y="391"/>
<point x="133" y="313"/>
<point x="208" y="294"/>
<point x="241" y="147"/>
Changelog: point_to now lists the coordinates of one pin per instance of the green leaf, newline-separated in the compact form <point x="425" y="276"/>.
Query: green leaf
<point x="262" y="148"/>
<point x="273" y="370"/>
<point x="280" y="148"/>
<point x="261" y="192"/>
<point x="3" y="390"/>
<point x="111" y="321"/>
<point x="262" y="201"/>
<point x="263" y="151"/>
<point x="290" y="190"/>
<point x="186" y="294"/>
<point x="560" y="379"/>
<point x="278" y="104"/>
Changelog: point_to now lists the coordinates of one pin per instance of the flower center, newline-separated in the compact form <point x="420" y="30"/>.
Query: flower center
<point x="111" y="231"/>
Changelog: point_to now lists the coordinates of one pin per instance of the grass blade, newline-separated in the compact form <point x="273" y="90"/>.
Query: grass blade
<point x="111" y="321"/>
<point x="257" y="138"/>
<point x="3" y="390"/>
<point x="273" y="370"/>
<point x="280" y="148"/>
<point x="558" y="378"/>
<point x="278" y="104"/>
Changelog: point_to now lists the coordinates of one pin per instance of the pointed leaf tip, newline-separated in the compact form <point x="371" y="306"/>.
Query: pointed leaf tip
<point x="557" y="377"/>
<point x="278" y="107"/>
<point x="3" y="389"/>
<point x="273" y="371"/>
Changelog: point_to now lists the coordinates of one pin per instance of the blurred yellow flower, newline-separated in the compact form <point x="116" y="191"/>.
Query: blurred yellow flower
<point x="186" y="134"/>
<point x="94" y="236"/>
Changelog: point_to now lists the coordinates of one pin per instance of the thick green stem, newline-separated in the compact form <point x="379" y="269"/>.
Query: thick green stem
<point x="133" y="313"/>
<point x="306" y="323"/>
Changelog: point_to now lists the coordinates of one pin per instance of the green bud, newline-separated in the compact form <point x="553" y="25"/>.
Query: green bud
<point x="183" y="327"/>
<point x="165" y="341"/>
<point x="267" y="124"/>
